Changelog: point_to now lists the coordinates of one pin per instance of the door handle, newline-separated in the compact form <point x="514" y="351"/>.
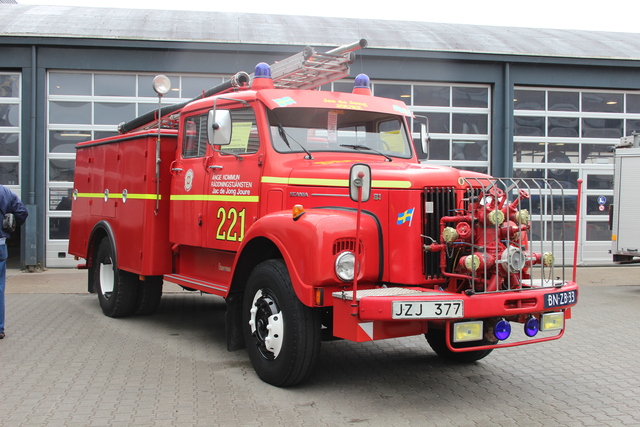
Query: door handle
<point x="174" y="169"/>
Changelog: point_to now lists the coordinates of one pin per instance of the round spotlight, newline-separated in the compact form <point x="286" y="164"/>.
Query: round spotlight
<point x="502" y="330"/>
<point x="531" y="327"/>
<point x="161" y="84"/>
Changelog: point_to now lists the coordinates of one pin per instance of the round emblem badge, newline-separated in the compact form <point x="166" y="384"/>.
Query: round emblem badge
<point x="188" y="180"/>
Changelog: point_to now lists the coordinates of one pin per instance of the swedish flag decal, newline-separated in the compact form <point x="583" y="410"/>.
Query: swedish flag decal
<point x="406" y="216"/>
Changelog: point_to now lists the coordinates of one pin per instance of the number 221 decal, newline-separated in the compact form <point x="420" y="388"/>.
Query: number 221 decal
<point x="230" y="220"/>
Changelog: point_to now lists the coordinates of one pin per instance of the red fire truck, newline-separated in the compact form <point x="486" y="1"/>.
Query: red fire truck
<point x="310" y="214"/>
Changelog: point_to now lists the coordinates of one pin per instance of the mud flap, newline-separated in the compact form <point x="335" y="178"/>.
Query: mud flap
<point x="233" y="322"/>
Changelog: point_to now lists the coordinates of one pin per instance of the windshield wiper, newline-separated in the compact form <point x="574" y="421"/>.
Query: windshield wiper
<point x="285" y="138"/>
<point x="283" y="135"/>
<point x="364" y="147"/>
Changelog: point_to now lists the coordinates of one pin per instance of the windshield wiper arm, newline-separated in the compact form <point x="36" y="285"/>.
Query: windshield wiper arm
<point x="364" y="147"/>
<point x="283" y="135"/>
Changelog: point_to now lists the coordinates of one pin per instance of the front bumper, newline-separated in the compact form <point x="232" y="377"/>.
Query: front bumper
<point x="375" y="313"/>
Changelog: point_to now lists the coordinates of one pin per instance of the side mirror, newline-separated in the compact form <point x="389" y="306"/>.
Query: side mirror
<point x="424" y="134"/>
<point x="219" y="127"/>
<point x="360" y="177"/>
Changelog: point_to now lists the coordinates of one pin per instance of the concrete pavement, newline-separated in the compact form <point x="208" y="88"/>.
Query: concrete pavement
<point x="65" y="364"/>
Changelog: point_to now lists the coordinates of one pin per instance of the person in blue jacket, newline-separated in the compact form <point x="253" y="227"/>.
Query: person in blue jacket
<point x="10" y="205"/>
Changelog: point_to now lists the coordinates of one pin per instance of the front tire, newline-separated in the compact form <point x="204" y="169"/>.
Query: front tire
<point x="116" y="288"/>
<point x="282" y="335"/>
<point x="437" y="340"/>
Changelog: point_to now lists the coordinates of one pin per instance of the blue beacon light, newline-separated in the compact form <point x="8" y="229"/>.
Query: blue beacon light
<point x="362" y="85"/>
<point x="262" y="77"/>
<point x="502" y="330"/>
<point x="531" y="327"/>
<point x="263" y="70"/>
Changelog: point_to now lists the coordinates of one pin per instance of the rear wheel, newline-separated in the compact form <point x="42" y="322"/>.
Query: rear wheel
<point x="282" y="334"/>
<point x="116" y="288"/>
<point x="437" y="340"/>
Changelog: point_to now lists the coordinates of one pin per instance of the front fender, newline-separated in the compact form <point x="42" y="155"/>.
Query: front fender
<point x="310" y="245"/>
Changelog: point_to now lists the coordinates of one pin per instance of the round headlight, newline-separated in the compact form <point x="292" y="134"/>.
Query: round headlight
<point x="345" y="266"/>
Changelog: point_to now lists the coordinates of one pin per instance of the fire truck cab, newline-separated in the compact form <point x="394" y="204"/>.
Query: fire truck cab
<point x="311" y="215"/>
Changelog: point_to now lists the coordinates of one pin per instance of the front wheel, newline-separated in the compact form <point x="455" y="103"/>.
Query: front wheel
<point x="116" y="288"/>
<point x="282" y="334"/>
<point x="437" y="340"/>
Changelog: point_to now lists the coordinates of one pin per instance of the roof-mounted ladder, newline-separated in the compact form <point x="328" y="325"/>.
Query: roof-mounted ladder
<point x="310" y="69"/>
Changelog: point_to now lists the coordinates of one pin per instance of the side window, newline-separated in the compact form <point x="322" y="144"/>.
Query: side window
<point x="194" y="142"/>
<point x="244" y="136"/>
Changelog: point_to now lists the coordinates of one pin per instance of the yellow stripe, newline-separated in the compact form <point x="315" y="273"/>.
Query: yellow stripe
<point x="215" y="198"/>
<point x="143" y="196"/>
<point x="390" y="184"/>
<point x="119" y="196"/>
<point x="101" y="195"/>
<point x="275" y="180"/>
<point x="333" y="182"/>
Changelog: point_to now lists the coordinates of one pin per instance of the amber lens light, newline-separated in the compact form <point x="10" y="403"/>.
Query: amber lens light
<point x="467" y="331"/>
<point x="297" y="211"/>
<point x="552" y="321"/>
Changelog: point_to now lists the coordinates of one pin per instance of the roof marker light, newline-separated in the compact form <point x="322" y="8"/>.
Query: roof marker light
<point x="362" y="85"/>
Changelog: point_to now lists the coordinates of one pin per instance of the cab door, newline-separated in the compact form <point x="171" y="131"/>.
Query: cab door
<point x="188" y="181"/>
<point x="233" y="183"/>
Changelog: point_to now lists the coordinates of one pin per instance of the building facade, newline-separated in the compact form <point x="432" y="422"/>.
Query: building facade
<point x="510" y="102"/>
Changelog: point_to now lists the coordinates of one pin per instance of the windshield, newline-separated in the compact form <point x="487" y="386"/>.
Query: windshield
<point x="318" y="129"/>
